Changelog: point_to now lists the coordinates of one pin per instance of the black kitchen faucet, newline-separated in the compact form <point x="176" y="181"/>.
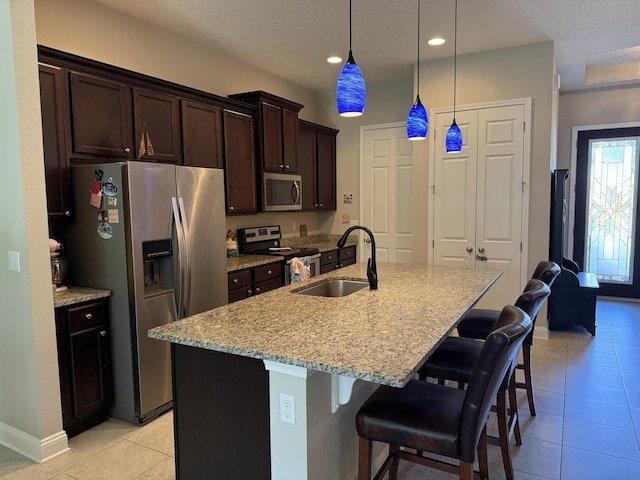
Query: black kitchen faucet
<point x="372" y="273"/>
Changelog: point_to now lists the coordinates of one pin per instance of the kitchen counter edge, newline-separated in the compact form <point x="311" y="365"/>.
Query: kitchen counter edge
<point x="78" y="295"/>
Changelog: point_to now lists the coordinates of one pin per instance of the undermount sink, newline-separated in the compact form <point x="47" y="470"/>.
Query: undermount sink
<point x="336" y="287"/>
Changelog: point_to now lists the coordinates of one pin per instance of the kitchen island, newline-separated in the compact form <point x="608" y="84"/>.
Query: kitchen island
<point x="230" y="414"/>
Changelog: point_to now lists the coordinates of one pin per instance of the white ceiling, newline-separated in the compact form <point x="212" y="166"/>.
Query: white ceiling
<point x="293" y="38"/>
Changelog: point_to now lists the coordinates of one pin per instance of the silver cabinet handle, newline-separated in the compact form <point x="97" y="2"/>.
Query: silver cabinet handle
<point x="231" y="208"/>
<point x="257" y="290"/>
<point x="269" y="272"/>
<point x="88" y="316"/>
<point x="287" y="167"/>
<point x="127" y="150"/>
<point x="67" y="213"/>
<point x="103" y="333"/>
<point x="249" y="292"/>
<point x="469" y="249"/>
<point x="481" y="249"/>
<point x="235" y="280"/>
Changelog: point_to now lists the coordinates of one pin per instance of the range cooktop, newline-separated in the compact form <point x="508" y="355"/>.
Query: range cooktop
<point x="267" y="241"/>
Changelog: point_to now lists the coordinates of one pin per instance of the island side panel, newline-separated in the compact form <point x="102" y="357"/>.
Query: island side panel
<point x="221" y="415"/>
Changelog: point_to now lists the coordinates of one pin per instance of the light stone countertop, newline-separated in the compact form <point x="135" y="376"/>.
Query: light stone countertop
<point x="321" y="242"/>
<point x="77" y="295"/>
<point x="382" y="336"/>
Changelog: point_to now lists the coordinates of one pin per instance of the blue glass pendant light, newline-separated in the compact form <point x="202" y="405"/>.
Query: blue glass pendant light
<point x="453" y="141"/>
<point x="351" y="92"/>
<point x="418" y="120"/>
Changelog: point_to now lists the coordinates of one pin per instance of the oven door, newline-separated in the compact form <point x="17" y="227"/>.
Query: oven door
<point x="314" y="266"/>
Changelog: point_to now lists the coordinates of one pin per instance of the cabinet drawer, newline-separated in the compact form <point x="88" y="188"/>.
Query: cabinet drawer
<point x="267" y="272"/>
<point x="239" y="294"/>
<point x="347" y="253"/>
<point x="329" y="257"/>
<point x="329" y="267"/>
<point x="85" y="316"/>
<point x="241" y="278"/>
<point x="263" y="287"/>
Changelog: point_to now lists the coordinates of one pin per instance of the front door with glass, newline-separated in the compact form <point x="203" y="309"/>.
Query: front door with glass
<point x="605" y="240"/>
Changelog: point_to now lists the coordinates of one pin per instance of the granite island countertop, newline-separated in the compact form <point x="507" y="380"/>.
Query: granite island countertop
<point x="381" y="336"/>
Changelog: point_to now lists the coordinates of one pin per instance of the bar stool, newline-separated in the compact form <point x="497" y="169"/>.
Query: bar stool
<point x="455" y="358"/>
<point x="437" y="419"/>
<point x="477" y="323"/>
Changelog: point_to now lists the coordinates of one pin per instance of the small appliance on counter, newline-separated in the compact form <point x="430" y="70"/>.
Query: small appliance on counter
<point x="59" y="266"/>
<point x="267" y="241"/>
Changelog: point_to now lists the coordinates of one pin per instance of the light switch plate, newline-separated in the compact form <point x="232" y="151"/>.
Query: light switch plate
<point x="14" y="261"/>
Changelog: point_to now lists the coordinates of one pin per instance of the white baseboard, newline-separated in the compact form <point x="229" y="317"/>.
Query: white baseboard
<point x="33" y="448"/>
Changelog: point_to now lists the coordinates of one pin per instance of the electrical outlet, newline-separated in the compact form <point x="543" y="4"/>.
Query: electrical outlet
<point x="14" y="261"/>
<point x="287" y="408"/>
<point x="347" y="197"/>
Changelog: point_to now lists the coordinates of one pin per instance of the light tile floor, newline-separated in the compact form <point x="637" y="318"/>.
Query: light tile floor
<point x="587" y="426"/>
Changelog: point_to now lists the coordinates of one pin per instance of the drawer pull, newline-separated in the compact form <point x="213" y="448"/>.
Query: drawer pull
<point x="269" y="272"/>
<point x="257" y="290"/>
<point x="235" y="280"/>
<point x="103" y="333"/>
<point x="88" y="316"/>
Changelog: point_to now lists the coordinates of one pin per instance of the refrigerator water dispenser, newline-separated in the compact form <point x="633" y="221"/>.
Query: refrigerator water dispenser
<point x="158" y="267"/>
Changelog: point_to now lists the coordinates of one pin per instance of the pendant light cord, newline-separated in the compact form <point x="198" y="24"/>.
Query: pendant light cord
<point x="350" y="29"/>
<point x="455" y="59"/>
<point x="418" y="64"/>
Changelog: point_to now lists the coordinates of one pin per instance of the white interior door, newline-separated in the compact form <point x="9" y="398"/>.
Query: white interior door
<point x="478" y="197"/>
<point x="392" y="184"/>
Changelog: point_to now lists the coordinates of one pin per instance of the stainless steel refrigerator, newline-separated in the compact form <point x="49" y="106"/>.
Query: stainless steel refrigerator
<point x="154" y="235"/>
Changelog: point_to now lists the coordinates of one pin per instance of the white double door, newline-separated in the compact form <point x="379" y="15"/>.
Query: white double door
<point x="479" y="198"/>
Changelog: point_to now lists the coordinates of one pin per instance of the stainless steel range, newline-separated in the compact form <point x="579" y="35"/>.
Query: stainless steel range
<point x="268" y="241"/>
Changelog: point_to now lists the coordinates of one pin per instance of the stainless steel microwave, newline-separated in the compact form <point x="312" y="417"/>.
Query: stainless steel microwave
<point x="281" y="192"/>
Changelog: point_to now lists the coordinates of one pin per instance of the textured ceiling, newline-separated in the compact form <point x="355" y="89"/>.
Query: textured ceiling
<point x="293" y="38"/>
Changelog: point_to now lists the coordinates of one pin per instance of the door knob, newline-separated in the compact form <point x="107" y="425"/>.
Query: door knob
<point x="481" y="249"/>
<point x="469" y="249"/>
<point x="367" y="240"/>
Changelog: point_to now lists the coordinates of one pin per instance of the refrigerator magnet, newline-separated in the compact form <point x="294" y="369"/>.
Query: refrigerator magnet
<point x="102" y="216"/>
<point x="114" y="215"/>
<point x="95" y="196"/>
<point x="105" y="230"/>
<point x="112" y="201"/>
<point x="110" y="188"/>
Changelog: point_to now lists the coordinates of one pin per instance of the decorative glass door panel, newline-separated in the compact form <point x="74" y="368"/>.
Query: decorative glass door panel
<point x="606" y="208"/>
<point x="611" y="209"/>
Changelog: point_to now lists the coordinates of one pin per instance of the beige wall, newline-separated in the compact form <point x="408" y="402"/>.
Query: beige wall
<point x="29" y="385"/>
<point x="582" y="108"/>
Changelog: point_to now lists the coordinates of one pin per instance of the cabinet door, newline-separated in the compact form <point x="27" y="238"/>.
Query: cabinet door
<point x="271" y="138"/>
<point x="101" y="117"/>
<point x="326" y="171"/>
<point x="290" y="141"/>
<point x="202" y="143"/>
<point x="55" y="116"/>
<point x="239" y="164"/>
<point x="160" y="114"/>
<point x="90" y="365"/>
<point x="307" y="167"/>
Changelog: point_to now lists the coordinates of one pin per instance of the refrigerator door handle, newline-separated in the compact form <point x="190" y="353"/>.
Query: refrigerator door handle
<point x="186" y="267"/>
<point x="181" y="247"/>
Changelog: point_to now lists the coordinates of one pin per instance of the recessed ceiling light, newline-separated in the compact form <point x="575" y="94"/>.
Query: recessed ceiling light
<point x="334" y="59"/>
<point x="436" y="41"/>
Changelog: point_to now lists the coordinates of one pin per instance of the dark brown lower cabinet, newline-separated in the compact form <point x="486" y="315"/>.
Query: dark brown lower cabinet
<point x="334" y="259"/>
<point x="221" y="415"/>
<point x="84" y="361"/>
<point x="254" y="281"/>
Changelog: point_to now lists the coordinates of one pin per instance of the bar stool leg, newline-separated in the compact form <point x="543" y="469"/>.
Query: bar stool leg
<point x="503" y="433"/>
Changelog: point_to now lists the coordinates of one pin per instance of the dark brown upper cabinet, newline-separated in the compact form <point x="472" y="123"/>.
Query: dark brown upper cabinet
<point x="276" y="130"/>
<point x="240" y="164"/>
<point x="54" y="103"/>
<point x="317" y="165"/>
<point x="202" y="135"/>
<point x="101" y="115"/>
<point x="160" y="114"/>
